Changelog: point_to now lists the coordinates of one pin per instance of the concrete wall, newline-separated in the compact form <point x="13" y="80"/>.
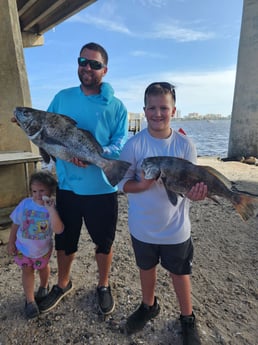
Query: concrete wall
<point x="243" y="140"/>
<point x="14" y="91"/>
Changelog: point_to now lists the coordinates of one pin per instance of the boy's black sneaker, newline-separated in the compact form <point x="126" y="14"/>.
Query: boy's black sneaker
<point x="137" y="320"/>
<point x="41" y="294"/>
<point x="54" y="297"/>
<point x="189" y="330"/>
<point x="31" y="310"/>
<point x="105" y="300"/>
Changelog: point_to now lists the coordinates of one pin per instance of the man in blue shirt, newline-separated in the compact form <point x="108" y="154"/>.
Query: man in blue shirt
<point x="83" y="191"/>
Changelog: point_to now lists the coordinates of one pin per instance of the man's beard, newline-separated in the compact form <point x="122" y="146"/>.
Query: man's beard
<point x="89" y="83"/>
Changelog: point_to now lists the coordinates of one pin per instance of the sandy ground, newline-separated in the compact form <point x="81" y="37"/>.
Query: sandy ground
<point x="224" y="283"/>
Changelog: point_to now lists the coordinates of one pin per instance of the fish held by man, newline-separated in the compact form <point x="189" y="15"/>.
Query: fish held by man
<point x="179" y="176"/>
<point x="57" y="136"/>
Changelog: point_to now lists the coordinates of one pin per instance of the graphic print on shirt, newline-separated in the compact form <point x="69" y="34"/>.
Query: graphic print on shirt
<point x="35" y="225"/>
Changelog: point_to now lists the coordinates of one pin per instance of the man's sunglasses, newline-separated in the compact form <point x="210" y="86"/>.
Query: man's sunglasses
<point x="94" y="64"/>
<point x="164" y="85"/>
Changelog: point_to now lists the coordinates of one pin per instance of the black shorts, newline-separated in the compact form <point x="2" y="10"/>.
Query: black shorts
<point x="99" y="213"/>
<point x="176" y="258"/>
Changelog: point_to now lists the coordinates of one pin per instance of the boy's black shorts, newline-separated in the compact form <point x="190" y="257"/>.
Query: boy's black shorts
<point x="176" y="258"/>
<point x="99" y="213"/>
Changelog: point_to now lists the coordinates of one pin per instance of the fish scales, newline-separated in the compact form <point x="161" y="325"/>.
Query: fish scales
<point x="179" y="176"/>
<point x="57" y="136"/>
<point x="69" y="140"/>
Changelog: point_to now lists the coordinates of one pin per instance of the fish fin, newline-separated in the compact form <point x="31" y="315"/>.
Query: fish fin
<point x="245" y="205"/>
<point x="172" y="196"/>
<point x="213" y="198"/>
<point x="218" y="175"/>
<point x="235" y="189"/>
<point x="44" y="155"/>
<point x="115" y="170"/>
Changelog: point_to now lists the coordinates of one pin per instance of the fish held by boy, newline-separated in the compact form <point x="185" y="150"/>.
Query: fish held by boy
<point x="179" y="176"/>
<point x="57" y="136"/>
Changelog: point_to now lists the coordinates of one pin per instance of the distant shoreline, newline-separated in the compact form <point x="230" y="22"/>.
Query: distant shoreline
<point x="202" y="118"/>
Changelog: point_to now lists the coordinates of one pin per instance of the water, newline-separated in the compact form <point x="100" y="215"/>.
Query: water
<point x="210" y="136"/>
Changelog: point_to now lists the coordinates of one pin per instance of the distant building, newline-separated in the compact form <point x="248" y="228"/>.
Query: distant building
<point x="212" y="116"/>
<point x="197" y="116"/>
<point x="194" y="116"/>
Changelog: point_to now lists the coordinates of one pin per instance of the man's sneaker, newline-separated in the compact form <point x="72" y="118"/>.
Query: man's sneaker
<point x="105" y="300"/>
<point x="41" y="294"/>
<point x="141" y="316"/>
<point x="189" y="330"/>
<point x="54" y="297"/>
<point x="31" y="310"/>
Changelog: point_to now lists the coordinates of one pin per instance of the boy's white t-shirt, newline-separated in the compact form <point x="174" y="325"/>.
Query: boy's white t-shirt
<point x="34" y="235"/>
<point x="151" y="216"/>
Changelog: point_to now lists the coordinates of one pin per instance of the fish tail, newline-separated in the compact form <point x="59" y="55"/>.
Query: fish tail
<point x="245" y="205"/>
<point x="115" y="170"/>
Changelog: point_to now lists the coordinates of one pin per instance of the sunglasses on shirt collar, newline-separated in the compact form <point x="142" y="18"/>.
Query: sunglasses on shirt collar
<point x="94" y="64"/>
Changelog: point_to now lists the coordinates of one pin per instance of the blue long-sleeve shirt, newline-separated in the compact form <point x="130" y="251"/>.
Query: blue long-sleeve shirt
<point x="105" y="116"/>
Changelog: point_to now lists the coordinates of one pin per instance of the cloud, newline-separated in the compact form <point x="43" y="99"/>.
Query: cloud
<point x="160" y="31"/>
<point x="108" y="24"/>
<point x="144" y="53"/>
<point x="180" y="34"/>
<point x="152" y="3"/>
<point x="206" y="92"/>
<point x="203" y="92"/>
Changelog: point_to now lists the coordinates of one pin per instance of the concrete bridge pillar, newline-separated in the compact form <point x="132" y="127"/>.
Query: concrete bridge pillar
<point x="14" y="87"/>
<point x="243" y="139"/>
<point x="14" y="91"/>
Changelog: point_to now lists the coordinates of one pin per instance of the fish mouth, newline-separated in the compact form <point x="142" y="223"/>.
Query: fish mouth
<point x="26" y="125"/>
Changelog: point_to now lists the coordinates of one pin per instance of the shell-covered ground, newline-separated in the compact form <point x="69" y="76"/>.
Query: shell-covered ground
<point x="224" y="284"/>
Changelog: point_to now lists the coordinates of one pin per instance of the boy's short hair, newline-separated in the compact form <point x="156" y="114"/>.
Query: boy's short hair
<point x="160" y="88"/>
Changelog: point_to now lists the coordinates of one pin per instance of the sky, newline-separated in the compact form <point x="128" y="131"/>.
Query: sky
<point x="192" y="44"/>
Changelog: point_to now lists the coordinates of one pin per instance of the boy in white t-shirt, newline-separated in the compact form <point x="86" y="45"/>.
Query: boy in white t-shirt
<point x="160" y="232"/>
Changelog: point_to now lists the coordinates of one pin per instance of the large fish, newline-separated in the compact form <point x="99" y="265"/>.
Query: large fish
<point x="180" y="175"/>
<point x="57" y="136"/>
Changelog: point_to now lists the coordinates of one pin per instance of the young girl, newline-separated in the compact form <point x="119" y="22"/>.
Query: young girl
<point x="30" y="240"/>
